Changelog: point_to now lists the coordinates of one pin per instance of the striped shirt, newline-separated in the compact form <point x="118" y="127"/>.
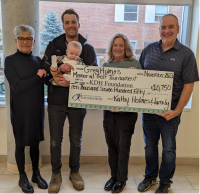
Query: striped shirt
<point x="178" y="59"/>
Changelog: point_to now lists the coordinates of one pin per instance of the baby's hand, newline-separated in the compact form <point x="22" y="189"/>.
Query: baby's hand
<point x="57" y="58"/>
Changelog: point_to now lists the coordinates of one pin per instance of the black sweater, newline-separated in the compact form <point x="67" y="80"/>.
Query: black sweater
<point x="26" y="98"/>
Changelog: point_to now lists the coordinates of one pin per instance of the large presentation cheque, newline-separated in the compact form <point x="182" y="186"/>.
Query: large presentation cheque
<point x="130" y="90"/>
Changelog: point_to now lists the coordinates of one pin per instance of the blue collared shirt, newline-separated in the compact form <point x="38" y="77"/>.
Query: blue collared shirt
<point x="178" y="59"/>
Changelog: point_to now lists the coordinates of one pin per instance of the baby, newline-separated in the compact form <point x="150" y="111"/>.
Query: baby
<point x="73" y="52"/>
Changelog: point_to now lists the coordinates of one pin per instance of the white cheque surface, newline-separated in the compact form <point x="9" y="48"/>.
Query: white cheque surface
<point x="130" y="90"/>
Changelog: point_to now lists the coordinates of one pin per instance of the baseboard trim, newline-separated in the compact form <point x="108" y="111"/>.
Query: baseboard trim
<point x="3" y="158"/>
<point x="104" y="160"/>
<point x="28" y="167"/>
<point x="46" y="159"/>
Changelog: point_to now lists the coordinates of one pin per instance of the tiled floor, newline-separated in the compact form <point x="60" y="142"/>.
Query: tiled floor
<point x="185" y="180"/>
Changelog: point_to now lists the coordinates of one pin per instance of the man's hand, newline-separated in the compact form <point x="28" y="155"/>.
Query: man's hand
<point x="184" y="98"/>
<point x="170" y="114"/>
<point x="66" y="67"/>
<point x="62" y="81"/>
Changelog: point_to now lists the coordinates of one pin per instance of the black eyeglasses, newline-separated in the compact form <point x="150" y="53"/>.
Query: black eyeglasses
<point x="28" y="39"/>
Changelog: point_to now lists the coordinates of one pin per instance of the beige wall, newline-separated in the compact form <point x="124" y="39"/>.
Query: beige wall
<point x="3" y="132"/>
<point x="94" y="141"/>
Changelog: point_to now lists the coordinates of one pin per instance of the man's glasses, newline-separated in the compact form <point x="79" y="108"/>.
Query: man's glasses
<point x="28" y="39"/>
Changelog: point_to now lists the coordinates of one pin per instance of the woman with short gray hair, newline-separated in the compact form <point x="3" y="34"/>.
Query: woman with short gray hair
<point x="23" y="28"/>
<point x="26" y="79"/>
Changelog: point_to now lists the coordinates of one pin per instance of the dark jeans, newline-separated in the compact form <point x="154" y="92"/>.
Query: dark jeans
<point x="119" y="128"/>
<point x="57" y="116"/>
<point x="155" y="126"/>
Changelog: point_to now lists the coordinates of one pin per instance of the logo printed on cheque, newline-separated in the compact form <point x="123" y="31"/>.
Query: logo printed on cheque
<point x="76" y="97"/>
<point x="80" y="97"/>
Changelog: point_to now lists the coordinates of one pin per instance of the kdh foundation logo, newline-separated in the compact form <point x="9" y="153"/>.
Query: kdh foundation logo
<point x="79" y="97"/>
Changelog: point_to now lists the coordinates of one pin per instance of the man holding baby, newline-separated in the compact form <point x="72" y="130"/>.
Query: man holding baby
<point x="58" y="108"/>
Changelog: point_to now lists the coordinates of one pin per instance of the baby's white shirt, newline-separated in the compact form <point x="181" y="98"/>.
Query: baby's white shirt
<point x="71" y="62"/>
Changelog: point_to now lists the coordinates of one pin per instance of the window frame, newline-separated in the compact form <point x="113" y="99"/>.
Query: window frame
<point x="149" y="16"/>
<point x="148" y="43"/>
<point x="130" y="12"/>
<point x="139" y="2"/>
<point x="134" y="41"/>
<point x="160" y="13"/>
<point x="120" y="8"/>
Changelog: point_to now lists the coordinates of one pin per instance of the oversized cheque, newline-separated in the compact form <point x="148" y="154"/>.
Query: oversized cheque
<point x="130" y="90"/>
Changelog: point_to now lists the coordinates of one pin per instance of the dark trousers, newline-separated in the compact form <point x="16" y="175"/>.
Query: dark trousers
<point x="155" y="126"/>
<point x="119" y="128"/>
<point x="57" y="116"/>
<point x="20" y="157"/>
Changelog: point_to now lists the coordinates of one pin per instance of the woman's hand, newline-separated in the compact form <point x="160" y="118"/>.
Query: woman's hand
<point x="41" y="73"/>
<point x="114" y="111"/>
<point x="132" y="68"/>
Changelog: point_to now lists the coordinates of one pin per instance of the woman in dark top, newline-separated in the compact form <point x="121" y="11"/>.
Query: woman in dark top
<point x="119" y="126"/>
<point x="26" y="79"/>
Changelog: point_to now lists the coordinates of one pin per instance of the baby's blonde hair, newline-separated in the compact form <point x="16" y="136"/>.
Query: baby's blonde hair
<point x="75" y="44"/>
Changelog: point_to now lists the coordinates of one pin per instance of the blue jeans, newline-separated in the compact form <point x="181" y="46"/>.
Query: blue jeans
<point x="155" y="126"/>
<point x="57" y="116"/>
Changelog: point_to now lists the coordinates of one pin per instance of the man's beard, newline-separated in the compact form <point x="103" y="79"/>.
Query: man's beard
<point x="72" y="36"/>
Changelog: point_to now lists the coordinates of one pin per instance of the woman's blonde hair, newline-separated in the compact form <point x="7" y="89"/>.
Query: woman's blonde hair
<point x="129" y="50"/>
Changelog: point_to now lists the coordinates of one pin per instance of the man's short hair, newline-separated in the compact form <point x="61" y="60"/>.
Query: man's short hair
<point x="169" y="14"/>
<point x="69" y="11"/>
<point x="75" y="44"/>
